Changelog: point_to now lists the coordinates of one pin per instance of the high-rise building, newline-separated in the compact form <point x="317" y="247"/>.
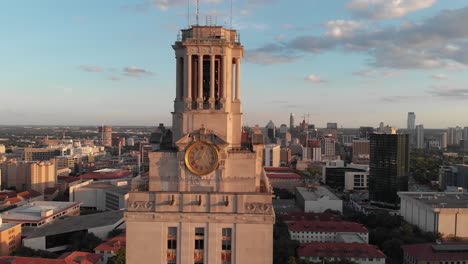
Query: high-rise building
<point x="291" y="121"/>
<point x="420" y="136"/>
<point x="208" y="200"/>
<point x="25" y="175"/>
<point x="361" y="151"/>
<point x="411" y="122"/>
<point x="105" y="136"/>
<point x="271" y="156"/>
<point x="332" y="125"/>
<point x="271" y="132"/>
<point x="388" y="168"/>
<point x="465" y="133"/>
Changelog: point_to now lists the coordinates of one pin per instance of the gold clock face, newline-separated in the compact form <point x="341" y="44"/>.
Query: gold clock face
<point x="201" y="158"/>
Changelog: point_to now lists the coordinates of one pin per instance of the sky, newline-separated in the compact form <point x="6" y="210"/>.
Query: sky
<point x="354" y="62"/>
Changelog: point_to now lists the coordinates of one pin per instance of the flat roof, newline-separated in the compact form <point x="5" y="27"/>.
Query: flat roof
<point x="5" y="226"/>
<point x="31" y="212"/>
<point x="327" y="226"/>
<point x="75" y="223"/>
<point x="351" y="238"/>
<point x="429" y="252"/>
<point x="124" y="189"/>
<point x="339" y="250"/>
<point x="439" y="199"/>
<point x="315" y="193"/>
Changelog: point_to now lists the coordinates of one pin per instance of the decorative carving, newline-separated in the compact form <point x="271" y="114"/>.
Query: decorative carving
<point x="258" y="208"/>
<point x="140" y="205"/>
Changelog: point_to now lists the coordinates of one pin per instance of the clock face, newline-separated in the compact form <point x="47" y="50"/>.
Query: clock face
<point x="201" y="158"/>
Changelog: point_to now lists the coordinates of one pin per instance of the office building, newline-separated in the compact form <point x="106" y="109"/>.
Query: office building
<point x="317" y="199"/>
<point x="39" y="213"/>
<point x="41" y="154"/>
<point x="361" y="150"/>
<point x="388" y="168"/>
<point x="437" y="212"/>
<point x="435" y="253"/>
<point x="105" y="135"/>
<point x="411" y="121"/>
<point x="25" y="175"/>
<point x="327" y="231"/>
<point x="291" y="122"/>
<point x="271" y="155"/>
<point x="317" y="252"/>
<point x="207" y="200"/>
<point x="101" y="195"/>
<point x="420" y="137"/>
<point x="270" y="132"/>
<point x="364" y="132"/>
<point x="335" y="177"/>
<point x="455" y="176"/>
<point x="10" y="237"/>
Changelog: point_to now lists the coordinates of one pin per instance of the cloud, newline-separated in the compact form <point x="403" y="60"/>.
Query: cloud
<point x="449" y="93"/>
<point x="387" y="9"/>
<point x="439" y="76"/>
<point x="437" y="42"/>
<point x="91" y="68"/>
<point x="365" y="73"/>
<point x="342" y="28"/>
<point x="398" y="98"/>
<point x="270" y="54"/>
<point x="314" y="78"/>
<point x="114" y="78"/>
<point x="134" y="71"/>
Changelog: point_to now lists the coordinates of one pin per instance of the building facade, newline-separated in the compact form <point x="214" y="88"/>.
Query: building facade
<point x="388" y="168"/>
<point x="10" y="238"/>
<point x="208" y="200"/>
<point x="25" y="175"/>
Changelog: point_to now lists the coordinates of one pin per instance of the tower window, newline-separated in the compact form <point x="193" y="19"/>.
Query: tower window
<point x="226" y="245"/>
<point x="171" y="245"/>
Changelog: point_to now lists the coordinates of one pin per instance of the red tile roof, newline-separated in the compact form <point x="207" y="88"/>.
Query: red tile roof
<point x="114" y="244"/>
<point x="68" y="258"/>
<point x="425" y="252"/>
<point x="107" y="175"/>
<point x="327" y="226"/>
<point x="283" y="175"/>
<point x="9" y="193"/>
<point x="278" y="169"/>
<point x="301" y="216"/>
<point x="81" y="257"/>
<point x="339" y="250"/>
<point x="50" y="190"/>
<point x="29" y="194"/>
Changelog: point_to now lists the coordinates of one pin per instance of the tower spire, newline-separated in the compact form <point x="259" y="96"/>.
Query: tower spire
<point x="197" y="10"/>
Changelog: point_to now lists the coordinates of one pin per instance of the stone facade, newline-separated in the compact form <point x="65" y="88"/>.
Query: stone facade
<point x="224" y="215"/>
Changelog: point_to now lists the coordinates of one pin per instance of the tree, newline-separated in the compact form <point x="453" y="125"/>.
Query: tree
<point x="84" y="242"/>
<point x="115" y="232"/>
<point x="120" y="257"/>
<point x="29" y="252"/>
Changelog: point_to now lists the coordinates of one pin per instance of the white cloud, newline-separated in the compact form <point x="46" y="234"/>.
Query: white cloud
<point x="387" y="9"/>
<point x="134" y="71"/>
<point x="342" y="28"/>
<point x="439" y="76"/>
<point x="365" y="73"/>
<point x="314" y="78"/>
<point x="91" y="68"/>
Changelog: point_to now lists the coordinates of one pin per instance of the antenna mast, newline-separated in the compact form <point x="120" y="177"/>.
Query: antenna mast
<point x="231" y="17"/>
<point x="197" y="10"/>
<point x="188" y="13"/>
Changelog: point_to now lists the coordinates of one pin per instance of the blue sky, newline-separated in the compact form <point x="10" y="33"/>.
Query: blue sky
<point x="355" y="62"/>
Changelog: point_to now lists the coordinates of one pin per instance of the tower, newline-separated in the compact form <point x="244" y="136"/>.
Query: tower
<point x="411" y="122"/>
<point x="388" y="168"/>
<point x="105" y="133"/>
<point x="207" y="199"/>
<point x="420" y="136"/>
<point x="291" y="121"/>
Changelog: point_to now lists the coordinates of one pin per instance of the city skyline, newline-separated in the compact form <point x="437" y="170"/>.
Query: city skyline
<point x="356" y="62"/>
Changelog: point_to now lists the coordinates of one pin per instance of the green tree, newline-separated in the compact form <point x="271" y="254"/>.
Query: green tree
<point x="84" y="242"/>
<point x="29" y="252"/>
<point x="120" y="257"/>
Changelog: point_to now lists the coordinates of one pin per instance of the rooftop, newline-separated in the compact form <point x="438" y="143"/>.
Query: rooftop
<point x="36" y="211"/>
<point x="301" y="216"/>
<point x="5" y="226"/>
<point x="121" y="187"/>
<point x="114" y="244"/>
<point x="282" y="175"/>
<point x="75" y="223"/>
<point x="439" y="199"/>
<point x="107" y="174"/>
<point x="434" y="252"/>
<point x="316" y="193"/>
<point x="68" y="258"/>
<point x="339" y="250"/>
<point x="327" y="226"/>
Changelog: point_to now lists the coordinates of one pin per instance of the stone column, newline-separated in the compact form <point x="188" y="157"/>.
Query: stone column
<point x="238" y="78"/>
<point x="224" y="83"/>
<point x="178" y="76"/>
<point x="188" y="81"/>
<point x="212" y="81"/>
<point x="200" y="81"/>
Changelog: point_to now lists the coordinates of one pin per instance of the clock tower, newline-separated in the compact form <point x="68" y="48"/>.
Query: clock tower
<point x="207" y="198"/>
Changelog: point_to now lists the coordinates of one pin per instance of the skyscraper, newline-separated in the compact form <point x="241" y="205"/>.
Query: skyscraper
<point x="208" y="200"/>
<point x="420" y="136"/>
<point x="411" y="122"/>
<point x="105" y="136"/>
<point x="291" y="121"/>
<point x="389" y="168"/>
